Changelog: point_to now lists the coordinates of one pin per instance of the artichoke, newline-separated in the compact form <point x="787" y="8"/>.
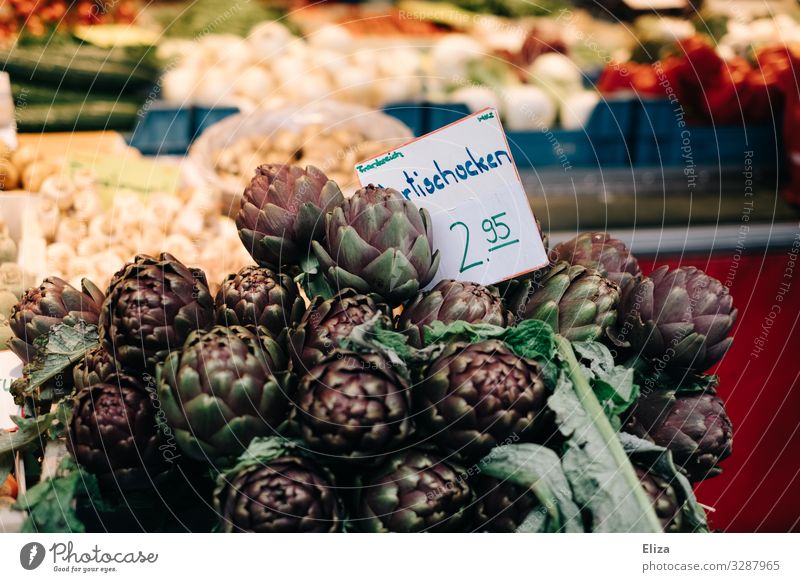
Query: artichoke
<point x="597" y="250"/>
<point x="222" y="390"/>
<point x="475" y="396"/>
<point x="693" y="425"/>
<point x="327" y="322"/>
<point x="114" y="435"/>
<point x="577" y="302"/>
<point x="680" y="317"/>
<point x="667" y="505"/>
<point x="282" y="212"/>
<point x="451" y="301"/>
<point x="352" y="406"/>
<point x="415" y="491"/>
<point x="153" y="304"/>
<point x="502" y="505"/>
<point x="54" y="301"/>
<point x="378" y="242"/>
<point x="255" y="296"/>
<point x="287" y="495"/>
<point x="97" y="367"/>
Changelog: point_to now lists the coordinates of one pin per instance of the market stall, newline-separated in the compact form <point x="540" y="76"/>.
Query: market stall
<point x="248" y="246"/>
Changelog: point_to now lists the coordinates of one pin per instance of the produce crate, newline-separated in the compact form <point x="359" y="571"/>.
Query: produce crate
<point x="605" y="141"/>
<point x="661" y="140"/>
<point x="203" y="117"/>
<point x="164" y="129"/>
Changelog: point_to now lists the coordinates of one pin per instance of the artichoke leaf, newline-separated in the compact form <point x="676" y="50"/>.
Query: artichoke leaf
<point x="659" y="461"/>
<point x="537" y="468"/>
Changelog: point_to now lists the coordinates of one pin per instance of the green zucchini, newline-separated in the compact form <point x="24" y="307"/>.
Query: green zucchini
<point x="93" y="115"/>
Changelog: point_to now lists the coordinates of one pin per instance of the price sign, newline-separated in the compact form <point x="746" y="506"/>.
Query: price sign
<point x="464" y="175"/>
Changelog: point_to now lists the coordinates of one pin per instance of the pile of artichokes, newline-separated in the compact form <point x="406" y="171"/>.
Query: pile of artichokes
<point x="373" y="404"/>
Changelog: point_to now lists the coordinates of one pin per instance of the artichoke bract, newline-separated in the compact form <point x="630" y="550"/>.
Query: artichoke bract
<point x="378" y="242"/>
<point x="255" y="297"/>
<point x="327" y="322"/>
<point x="97" y="367"/>
<point x="415" y="491"/>
<point x="680" y="317"/>
<point x="451" y="301"/>
<point x="692" y="425"/>
<point x="599" y="251"/>
<point x="502" y="506"/>
<point x="114" y="435"/>
<point x="222" y="390"/>
<point x="352" y="406"/>
<point x="54" y="301"/>
<point x="475" y="396"/>
<point x="667" y="505"/>
<point x="153" y="304"/>
<point x="577" y="302"/>
<point x="287" y="495"/>
<point x="282" y="211"/>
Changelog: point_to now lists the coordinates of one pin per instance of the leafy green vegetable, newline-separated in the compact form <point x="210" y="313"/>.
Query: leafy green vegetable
<point x="51" y="504"/>
<point x="539" y="469"/>
<point x="30" y="432"/>
<point x="59" y="350"/>
<point x="658" y="460"/>
<point x="602" y="478"/>
<point x="613" y="385"/>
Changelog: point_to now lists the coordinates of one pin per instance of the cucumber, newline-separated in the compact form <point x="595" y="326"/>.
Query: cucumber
<point x="28" y="94"/>
<point x="96" y="115"/>
<point x="81" y="66"/>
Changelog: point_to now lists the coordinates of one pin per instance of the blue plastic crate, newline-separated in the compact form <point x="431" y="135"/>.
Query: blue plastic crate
<point x="661" y="139"/>
<point x="413" y="114"/>
<point x="203" y="117"/>
<point x="163" y="129"/>
<point x="605" y="141"/>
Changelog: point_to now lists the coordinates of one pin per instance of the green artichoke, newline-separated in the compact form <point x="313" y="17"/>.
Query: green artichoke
<point x="667" y="505"/>
<point x="597" y="250"/>
<point x="352" y="406"/>
<point x="222" y="390"/>
<point x="474" y="396"/>
<point x="415" y="491"/>
<point x="97" y="367"/>
<point x="255" y="297"/>
<point x="327" y="322"/>
<point x="378" y="242"/>
<point x="693" y="425"/>
<point x="287" y="495"/>
<point x="577" y="302"/>
<point x="502" y="506"/>
<point x="451" y="301"/>
<point x="282" y="212"/>
<point x="114" y="435"/>
<point x="153" y="304"/>
<point x="54" y="301"/>
<point x="680" y="317"/>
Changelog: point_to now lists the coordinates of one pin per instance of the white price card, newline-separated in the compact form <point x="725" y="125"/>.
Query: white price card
<point x="10" y="370"/>
<point x="464" y="175"/>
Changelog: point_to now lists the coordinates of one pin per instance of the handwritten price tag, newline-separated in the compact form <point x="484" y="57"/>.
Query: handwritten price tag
<point x="463" y="174"/>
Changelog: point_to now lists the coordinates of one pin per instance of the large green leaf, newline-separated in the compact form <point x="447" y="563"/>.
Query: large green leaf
<point x="539" y="469"/>
<point x="613" y="385"/>
<point x="602" y="478"/>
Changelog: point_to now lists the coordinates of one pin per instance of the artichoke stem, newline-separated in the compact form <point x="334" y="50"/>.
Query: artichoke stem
<point x="594" y="409"/>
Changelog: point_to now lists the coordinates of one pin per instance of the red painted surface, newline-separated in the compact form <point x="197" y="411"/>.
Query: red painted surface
<point x="759" y="488"/>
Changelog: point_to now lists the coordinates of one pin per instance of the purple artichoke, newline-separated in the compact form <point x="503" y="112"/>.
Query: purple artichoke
<point x="282" y="212"/>
<point x="451" y="301"/>
<point x="680" y="317"/>
<point x="597" y="250"/>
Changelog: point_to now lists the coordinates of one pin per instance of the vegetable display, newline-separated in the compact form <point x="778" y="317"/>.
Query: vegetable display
<point x="382" y="406"/>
